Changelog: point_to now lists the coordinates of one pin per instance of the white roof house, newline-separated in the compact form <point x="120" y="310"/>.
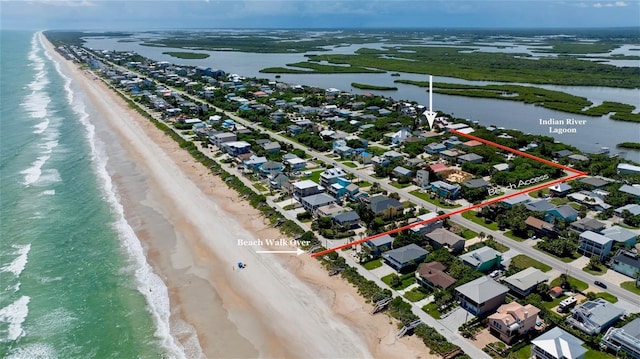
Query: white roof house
<point x="557" y="344"/>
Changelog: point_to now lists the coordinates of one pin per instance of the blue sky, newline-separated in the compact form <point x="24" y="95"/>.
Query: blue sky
<point x="159" y="14"/>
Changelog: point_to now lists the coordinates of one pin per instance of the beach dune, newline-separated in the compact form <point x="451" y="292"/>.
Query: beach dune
<point x="189" y="223"/>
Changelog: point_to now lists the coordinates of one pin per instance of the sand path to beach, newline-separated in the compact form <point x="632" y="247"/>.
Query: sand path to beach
<point x="189" y="222"/>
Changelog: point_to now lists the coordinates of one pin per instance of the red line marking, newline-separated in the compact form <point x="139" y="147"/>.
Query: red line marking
<point x="461" y="210"/>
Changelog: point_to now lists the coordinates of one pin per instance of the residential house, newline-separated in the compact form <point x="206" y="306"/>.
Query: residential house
<point x="471" y="144"/>
<point x="587" y="224"/>
<point x="278" y="181"/>
<point x="593" y="244"/>
<point x="442" y="238"/>
<point x="313" y="202"/>
<point x="429" y="224"/>
<point x="525" y="282"/>
<point x="392" y="155"/>
<point x="621" y="235"/>
<point x="379" y="244"/>
<point x="400" y="171"/>
<point x="482" y="259"/>
<point x="594" y="316"/>
<point x="482" y="296"/>
<point x="590" y="199"/>
<point x="632" y="190"/>
<point x="626" y="262"/>
<point x="422" y="179"/>
<point x="476" y="183"/>
<point x="625" y="168"/>
<point x="541" y="228"/>
<point x="365" y="157"/>
<point x="405" y="257"/>
<point x="594" y="182"/>
<point x="560" y="189"/>
<point x="501" y="167"/>
<point x="577" y="158"/>
<point x="564" y="212"/>
<point x="330" y="176"/>
<point x="625" y="339"/>
<point x="296" y="163"/>
<point x="634" y="210"/>
<point x="305" y="188"/>
<point x="432" y="276"/>
<point x="516" y="200"/>
<point x="343" y="151"/>
<point x="271" y="167"/>
<point x="254" y="162"/>
<point x="541" y="205"/>
<point x="438" y="167"/>
<point x="348" y="219"/>
<point x="329" y="210"/>
<point x="434" y="148"/>
<point x="236" y="148"/>
<point x="342" y="187"/>
<point x="271" y="147"/>
<point x="470" y="158"/>
<point x="512" y="320"/>
<point x="557" y="344"/>
<point x="385" y="206"/>
<point x="400" y="136"/>
<point x="450" y="155"/>
<point x="561" y="154"/>
<point x="294" y="129"/>
<point x="220" y="138"/>
<point x="445" y="190"/>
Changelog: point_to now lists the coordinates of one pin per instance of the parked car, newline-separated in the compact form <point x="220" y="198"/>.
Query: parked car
<point x="600" y="284"/>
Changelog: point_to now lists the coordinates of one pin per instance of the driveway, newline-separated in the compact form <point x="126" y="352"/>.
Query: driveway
<point x="456" y="318"/>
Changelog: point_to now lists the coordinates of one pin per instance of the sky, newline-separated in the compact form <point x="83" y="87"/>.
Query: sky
<point x="171" y="14"/>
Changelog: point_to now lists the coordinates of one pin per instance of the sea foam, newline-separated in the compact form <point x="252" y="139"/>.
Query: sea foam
<point x="17" y="265"/>
<point x="148" y="283"/>
<point x="13" y="315"/>
<point x="34" y="351"/>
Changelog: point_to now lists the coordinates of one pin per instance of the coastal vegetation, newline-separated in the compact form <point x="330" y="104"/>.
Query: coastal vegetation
<point x="554" y="100"/>
<point x="373" y="87"/>
<point x="187" y="55"/>
<point x="630" y="145"/>
<point x="315" y="68"/>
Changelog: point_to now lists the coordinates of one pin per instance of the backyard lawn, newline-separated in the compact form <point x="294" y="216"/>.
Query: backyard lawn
<point x="432" y="310"/>
<point x="376" y="263"/>
<point x="580" y="285"/>
<point x="315" y="176"/>
<point x="510" y="234"/>
<point x="435" y="201"/>
<point x="472" y="216"/>
<point x="407" y="280"/>
<point x="415" y="295"/>
<point x="523" y="261"/>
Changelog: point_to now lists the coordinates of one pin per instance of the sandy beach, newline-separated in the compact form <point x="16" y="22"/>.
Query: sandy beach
<point x="189" y="221"/>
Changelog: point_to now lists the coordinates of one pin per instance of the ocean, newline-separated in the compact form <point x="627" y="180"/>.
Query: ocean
<point x="74" y="282"/>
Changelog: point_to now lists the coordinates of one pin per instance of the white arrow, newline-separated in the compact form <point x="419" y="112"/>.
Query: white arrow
<point x="297" y="252"/>
<point x="430" y="115"/>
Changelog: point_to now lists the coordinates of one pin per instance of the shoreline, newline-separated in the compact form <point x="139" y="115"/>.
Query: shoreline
<point x="173" y="204"/>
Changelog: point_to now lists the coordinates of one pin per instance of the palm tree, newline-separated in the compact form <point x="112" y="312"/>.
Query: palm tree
<point x="481" y="235"/>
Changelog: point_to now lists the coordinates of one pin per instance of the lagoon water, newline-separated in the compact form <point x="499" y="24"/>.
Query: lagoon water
<point x="598" y="132"/>
<point x="73" y="281"/>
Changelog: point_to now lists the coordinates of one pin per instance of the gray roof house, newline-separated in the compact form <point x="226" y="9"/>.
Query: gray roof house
<point x="588" y="224"/>
<point x="557" y="344"/>
<point x="525" y="281"/>
<point x="476" y="183"/>
<point x="481" y="296"/>
<point x="313" y="202"/>
<point x="348" y="219"/>
<point x="403" y="257"/>
<point x="632" y="190"/>
<point x="625" y="262"/>
<point x="625" y="339"/>
<point x="440" y="237"/>
<point x="634" y="209"/>
<point x="380" y="243"/>
<point x="470" y="157"/>
<point x="400" y="171"/>
<point x="593" y="244"/>
<point x="540" y="206"/>
<point x="383" y="204"/>
<point x="621" y="235"/>
<point x="594" y="316"/>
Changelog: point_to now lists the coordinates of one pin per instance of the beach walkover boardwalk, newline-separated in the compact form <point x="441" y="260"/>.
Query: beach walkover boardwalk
<point x="573" y="174"/>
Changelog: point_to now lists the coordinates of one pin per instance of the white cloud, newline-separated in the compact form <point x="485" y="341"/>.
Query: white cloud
<point x="610" y="4"/>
